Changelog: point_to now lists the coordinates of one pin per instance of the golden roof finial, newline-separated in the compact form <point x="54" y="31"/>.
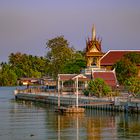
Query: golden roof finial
<point x="93" y="33"/>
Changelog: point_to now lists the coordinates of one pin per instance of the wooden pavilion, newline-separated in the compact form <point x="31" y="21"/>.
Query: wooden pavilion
<point x="67" y="83"/>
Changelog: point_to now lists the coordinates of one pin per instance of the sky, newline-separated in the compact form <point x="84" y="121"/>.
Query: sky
<point x="26" y="25"/>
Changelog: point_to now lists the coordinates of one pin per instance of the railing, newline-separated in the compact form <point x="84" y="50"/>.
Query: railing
<point x="35" y="90"/>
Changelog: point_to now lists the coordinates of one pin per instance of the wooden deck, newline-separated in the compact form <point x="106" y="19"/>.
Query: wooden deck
<point x="96" y="103"/>
<point x="62" y="109"/>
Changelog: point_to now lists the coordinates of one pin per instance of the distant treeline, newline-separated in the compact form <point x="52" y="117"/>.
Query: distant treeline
<point x="60" y="58"/>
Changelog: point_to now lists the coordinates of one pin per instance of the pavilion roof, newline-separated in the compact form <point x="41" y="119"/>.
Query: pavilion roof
<point x="67" y="77"/>
<point x="108" y="76"/>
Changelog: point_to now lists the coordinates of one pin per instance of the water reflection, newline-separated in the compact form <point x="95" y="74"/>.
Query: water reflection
<point x="26" y="120"/>
<point x="90" y="126"/>
<point x="67" y="121"/>
<point x="129" y="126"/>
<point x="94" y="125"/>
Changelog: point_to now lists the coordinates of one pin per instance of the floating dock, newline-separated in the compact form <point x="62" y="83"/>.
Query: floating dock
<point x="74" y="109"/>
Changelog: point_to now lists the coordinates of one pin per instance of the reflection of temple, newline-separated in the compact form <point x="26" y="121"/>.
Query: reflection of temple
<point x="93" y="50"/>
<point x="95" y="125"/>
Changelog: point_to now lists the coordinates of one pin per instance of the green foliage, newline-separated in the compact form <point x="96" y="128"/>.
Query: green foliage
<point x="133" y="57"/>
<point x="133" y="84"/>
<point x="22" y="65"/>
<point x="74" y="66"/>
<point x="62" y="58"/>
<point x="126" y="68"/>
<point x="7" y="76"/>
<point x="86" y="92"/>
<point x="58" y="55"/>
<point x="27" y="65"/>
<point x="98" y="88"/>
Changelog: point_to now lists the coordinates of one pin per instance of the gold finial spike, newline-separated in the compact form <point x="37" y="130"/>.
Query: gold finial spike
<point x="93" y="32"/>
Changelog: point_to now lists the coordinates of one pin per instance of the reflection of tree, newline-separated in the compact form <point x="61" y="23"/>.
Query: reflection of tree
<point x="66" y="120"/>
<point x="97" y="122"/>
<point x="93" y="129"/>
<point x="93" y="124"/>
<point x="129" y="125"/>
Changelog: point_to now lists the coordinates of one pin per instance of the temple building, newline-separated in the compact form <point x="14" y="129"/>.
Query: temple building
<point x="93" y="57"/>
<point x="93" y="50"/>
<point x="99" y="65"/>
<point x="112" y="56"/>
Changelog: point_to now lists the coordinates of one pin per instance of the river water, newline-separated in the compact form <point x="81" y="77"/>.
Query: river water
<point x="29" y="121"/>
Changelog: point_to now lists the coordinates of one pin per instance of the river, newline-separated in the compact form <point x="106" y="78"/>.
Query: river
<point x="20" y="120"/>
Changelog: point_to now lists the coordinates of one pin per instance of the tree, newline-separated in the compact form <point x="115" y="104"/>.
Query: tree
<point x="133" y="84"/>
<point x="7" y="76"/>
<point x="27" y="65"/>
<point x="22" y="65"/>
<point x="75" y="64"/>
<point x="98" y="88"/>
<point x="59" y="54"/>
<point x="125" y="68"/>
<point x="133" y="57"/>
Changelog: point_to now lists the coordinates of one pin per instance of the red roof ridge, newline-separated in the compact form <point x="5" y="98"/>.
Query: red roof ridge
<point x="104" y="55"/>
<point x="117" y="51"/>
<point x="112" y="56"/>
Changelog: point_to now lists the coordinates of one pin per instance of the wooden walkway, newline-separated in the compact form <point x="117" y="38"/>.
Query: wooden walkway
<point x="96" y="103"/>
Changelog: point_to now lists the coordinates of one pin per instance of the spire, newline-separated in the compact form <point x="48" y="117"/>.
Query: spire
<point x="93" y="33"/>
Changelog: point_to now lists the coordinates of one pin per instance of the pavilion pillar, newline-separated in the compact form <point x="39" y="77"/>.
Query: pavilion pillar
<point x="58" y="88"/>
<point x="62" y="86"/>
<point x="77" y="92"/>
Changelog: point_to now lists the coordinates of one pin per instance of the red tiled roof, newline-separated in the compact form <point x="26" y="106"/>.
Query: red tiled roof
<point x="112" y="57"/>
<point x="108" y="77"/>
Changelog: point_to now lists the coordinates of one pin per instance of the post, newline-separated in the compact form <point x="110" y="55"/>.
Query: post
<point x="58" y="88"/>
<point x="77" y="92"/>
<point x="77" y="130"/>
<point x="58" y="127"/>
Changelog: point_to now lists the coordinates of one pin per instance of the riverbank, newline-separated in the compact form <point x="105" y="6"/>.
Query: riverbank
<point x="116" y="104"/>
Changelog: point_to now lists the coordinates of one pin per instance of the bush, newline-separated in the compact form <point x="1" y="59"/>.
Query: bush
<point x="98" y="88"/>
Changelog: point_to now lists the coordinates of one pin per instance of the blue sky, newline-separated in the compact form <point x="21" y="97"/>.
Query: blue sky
<point x="26" y="25"/>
